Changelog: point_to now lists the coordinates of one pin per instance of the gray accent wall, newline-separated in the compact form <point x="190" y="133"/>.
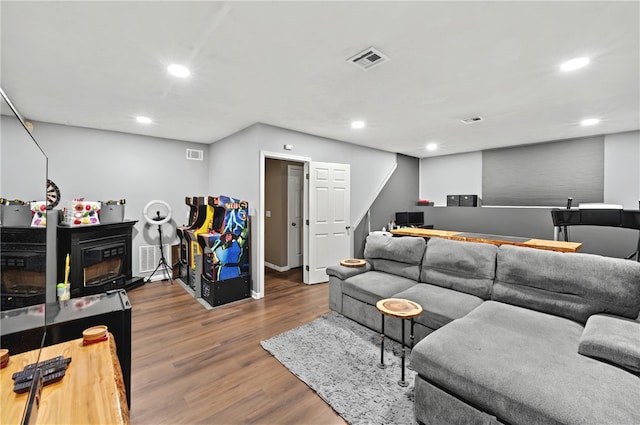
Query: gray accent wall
<point x="400" y="193"/>
<point x="544" y="173"/>
<point x="621" y="186"/>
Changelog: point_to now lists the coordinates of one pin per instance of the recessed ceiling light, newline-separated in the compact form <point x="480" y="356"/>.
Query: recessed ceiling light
<point x="432" y="146"/>
<point x="178" y="70"/>
<point x="357" y="124"/>
<point x="590" y="121"/>
<point x="143" y="120"/>
<point x="575" y="63"/>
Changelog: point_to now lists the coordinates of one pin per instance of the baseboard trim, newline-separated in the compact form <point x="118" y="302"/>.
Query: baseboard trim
<point x="277" y="268"/>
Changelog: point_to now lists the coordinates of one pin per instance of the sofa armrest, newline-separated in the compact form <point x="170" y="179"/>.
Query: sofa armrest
<point x="344" y="273"/>
<point x="612" y="339"/>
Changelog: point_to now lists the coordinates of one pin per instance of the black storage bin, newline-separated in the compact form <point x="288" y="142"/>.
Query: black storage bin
<point x="469" y="200"/>
<point x="453" y="200"/>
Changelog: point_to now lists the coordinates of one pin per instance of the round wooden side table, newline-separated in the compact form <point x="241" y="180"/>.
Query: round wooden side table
<point x="402" y="309"/>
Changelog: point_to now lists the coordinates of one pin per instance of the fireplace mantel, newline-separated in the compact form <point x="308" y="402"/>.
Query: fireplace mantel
<point x="86" y="246"/>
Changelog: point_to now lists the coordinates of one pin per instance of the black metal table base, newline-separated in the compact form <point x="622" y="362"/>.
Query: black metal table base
<point x="402" y="382"/>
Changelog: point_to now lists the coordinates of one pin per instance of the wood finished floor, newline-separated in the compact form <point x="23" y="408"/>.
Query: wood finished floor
<point x="196" y="366"/>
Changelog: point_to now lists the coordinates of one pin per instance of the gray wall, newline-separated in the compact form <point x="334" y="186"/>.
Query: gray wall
<point x="450" y="175"/>
<point x="621" y="186"/>
<point x="622" y="169"/>
<point x="103" y="165"/>
<point x="234" y="163"/>
<point x="23" y="166"/>
<point x="462" y="173"/>
<point x="544" y="174"/>
<point x="235" y="168"/>
<point x="399" y="194"/>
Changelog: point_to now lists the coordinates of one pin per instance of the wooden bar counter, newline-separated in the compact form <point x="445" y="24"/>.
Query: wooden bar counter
<point x="492" y="239"/>
<point x="91" y="392"/>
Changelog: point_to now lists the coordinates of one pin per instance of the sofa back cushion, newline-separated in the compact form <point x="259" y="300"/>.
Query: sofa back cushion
<point x="459" y="265"/>
<point x="400" y="256"/>
<point x="569" y="285"/>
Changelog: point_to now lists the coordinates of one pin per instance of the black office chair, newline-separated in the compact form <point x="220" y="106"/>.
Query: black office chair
<point x="633" y="222"/>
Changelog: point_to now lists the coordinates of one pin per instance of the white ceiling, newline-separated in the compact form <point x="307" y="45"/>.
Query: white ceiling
<point x="100" y="64"/>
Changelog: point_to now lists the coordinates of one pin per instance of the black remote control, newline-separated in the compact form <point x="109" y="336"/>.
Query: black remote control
<point x="28" y="370"/>
<point x="23" y="387"/>
<point x="43" y="363"/>
<point x="28" y="376"/>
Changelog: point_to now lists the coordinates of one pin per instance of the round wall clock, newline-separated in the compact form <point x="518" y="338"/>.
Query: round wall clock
<point x="53" y="194"/>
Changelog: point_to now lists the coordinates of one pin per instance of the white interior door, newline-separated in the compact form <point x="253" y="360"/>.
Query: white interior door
<point x="294" y="222"/>
<point x="329" y="218"/>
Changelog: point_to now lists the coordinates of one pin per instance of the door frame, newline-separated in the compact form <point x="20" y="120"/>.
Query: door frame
<point x="289" y="218"/>
<point x="260" y="213"/>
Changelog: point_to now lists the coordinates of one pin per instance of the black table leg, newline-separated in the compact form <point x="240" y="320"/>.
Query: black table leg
<point x="381" y="365"/>
<point x="411" y="339"/>
<point x="411" y="336"/>
<point x="402" y="382"/>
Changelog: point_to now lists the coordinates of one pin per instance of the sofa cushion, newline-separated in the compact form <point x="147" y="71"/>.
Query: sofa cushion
<point x="440" y="305"/>
<point x="613" y="339"/>
<point x="373" y="286"/>
<point x="343" y="272"/>
<point x="401" y="256"/>
<point x="523" y="366"/>
<point x="464" y="266"/>
<point x="570" y="285"/>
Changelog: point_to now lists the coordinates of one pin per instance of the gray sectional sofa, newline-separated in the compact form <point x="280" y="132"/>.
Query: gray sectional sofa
<point x="508" y="334"/>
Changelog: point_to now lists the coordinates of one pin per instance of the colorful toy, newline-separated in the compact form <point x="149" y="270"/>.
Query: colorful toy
<point x="79" y="212"/>
<point x="38" y="213"/>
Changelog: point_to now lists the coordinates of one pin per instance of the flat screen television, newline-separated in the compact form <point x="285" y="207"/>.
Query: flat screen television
<point x="415" y="218"/>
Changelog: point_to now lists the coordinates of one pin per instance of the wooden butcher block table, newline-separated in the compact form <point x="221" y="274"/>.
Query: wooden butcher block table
<point x="91" y="391"/>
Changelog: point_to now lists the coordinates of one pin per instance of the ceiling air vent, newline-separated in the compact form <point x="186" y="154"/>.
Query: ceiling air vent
<point x="368" y="59"/>
<point x="472" y="120"/>
<point x="194" y="154"/>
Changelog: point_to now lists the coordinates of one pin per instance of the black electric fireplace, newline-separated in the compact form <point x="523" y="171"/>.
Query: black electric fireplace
<point x="23" y="263"/>
<point x="103" y="263"/>
<point x="100" y="257"/>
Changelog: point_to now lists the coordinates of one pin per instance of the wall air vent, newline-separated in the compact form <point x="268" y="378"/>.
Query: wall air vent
<point x="194" y="154"/>
<point x="472" y="120"/>
<point x="150" y="257"/>
<point x="368" y="59"/>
